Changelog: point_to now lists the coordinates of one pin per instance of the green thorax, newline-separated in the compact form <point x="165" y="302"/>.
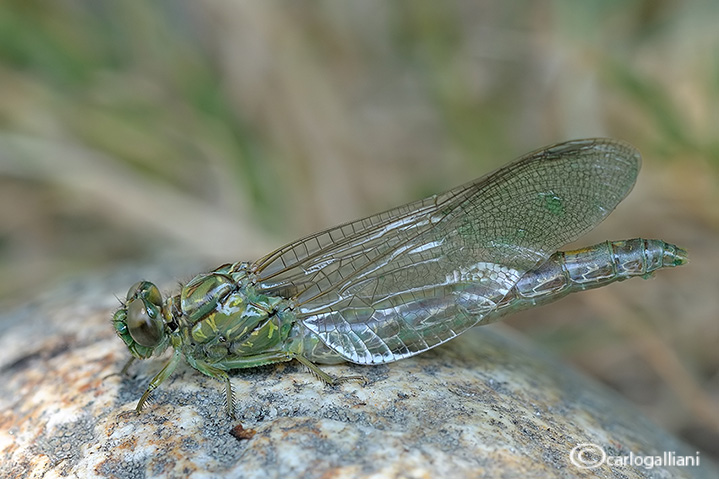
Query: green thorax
<point x="223" y="316"/>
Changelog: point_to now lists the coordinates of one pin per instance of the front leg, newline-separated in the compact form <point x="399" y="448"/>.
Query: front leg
<point x="124" y="369"/>
<point x="164" y="373"/>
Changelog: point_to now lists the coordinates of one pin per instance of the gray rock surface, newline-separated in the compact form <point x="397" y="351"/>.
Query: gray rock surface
<point x="487" y="404"/>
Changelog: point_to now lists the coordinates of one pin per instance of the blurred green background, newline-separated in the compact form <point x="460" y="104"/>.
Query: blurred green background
<point x="135" y="132"/>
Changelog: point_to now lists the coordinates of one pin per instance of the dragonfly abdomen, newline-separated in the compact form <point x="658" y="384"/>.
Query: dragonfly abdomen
<point x="591" y="267"/>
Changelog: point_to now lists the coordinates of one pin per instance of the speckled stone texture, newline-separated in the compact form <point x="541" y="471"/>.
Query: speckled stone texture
<point x="484" y="405"/>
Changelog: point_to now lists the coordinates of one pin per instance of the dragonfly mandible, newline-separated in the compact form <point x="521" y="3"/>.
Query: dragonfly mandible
<point x="395" y="284"/>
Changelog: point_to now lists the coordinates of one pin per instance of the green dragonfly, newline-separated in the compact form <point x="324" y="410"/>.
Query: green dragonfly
<point x="395" y="284"/>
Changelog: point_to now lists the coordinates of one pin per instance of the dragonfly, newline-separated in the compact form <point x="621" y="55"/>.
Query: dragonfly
<point x="398" y="283"/>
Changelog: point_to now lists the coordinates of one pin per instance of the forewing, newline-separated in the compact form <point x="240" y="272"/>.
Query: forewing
<point x="400" y="282"/>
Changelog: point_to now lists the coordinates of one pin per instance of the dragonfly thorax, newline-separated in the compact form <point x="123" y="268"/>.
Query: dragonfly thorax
<point x="224" y="317"/>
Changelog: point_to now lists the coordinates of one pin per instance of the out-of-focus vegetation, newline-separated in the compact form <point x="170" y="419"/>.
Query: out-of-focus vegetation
<point x="153" y="131"/>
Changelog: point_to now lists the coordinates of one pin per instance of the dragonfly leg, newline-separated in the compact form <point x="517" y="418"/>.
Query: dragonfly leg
<point x="164" y="373"/>
<point x="124" y="369"/>
<point x="323" y="376"/>
<point x="220" y="375"/>
<point x="127" y="365"/>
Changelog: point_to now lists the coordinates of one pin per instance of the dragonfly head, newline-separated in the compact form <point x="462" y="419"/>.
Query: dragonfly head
<point x="140" y="321"/>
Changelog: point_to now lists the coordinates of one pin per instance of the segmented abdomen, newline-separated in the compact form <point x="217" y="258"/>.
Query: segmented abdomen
<point x="569" y="271"/>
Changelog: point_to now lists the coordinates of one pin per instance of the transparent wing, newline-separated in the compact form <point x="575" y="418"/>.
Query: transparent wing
<point x="400" y="282"/>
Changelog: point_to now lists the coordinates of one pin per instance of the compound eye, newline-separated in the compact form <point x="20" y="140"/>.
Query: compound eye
<point x="145" y="290"/>
<point x="144" y="324"/>
<point x="133" y="290"/>
<point x="152" y="293"/>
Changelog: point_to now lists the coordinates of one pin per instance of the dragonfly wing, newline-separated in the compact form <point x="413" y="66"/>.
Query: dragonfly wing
<point x="398" y="283"/>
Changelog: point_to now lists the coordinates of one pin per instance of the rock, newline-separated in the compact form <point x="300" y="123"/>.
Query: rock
<point x="485" y="404"/>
